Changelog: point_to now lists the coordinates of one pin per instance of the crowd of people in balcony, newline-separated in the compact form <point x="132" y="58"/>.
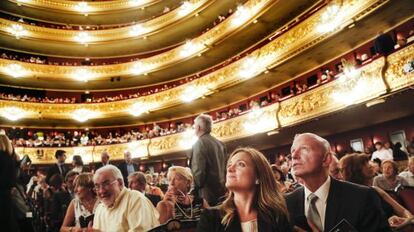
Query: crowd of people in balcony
<point x="67" y="197"/>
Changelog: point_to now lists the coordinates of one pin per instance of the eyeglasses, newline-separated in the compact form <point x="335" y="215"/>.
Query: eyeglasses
<point x="104" y="185"/>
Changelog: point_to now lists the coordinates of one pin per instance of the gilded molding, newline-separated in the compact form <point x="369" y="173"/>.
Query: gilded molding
<point x="94" y="7"/>
<point x="395" y="75"/>
<point x="286" y="46"/>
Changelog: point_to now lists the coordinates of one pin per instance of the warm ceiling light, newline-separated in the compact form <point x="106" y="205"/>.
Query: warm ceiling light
<point x="135" y="2"/>
<point x="82" y="37"/>
<point x="331" y="18"/>
<point x="137" y="29"/>
<point x="185" y="8"/>
<point x="12" y="113"/>
<point x="351" y="96"/>
<point x="82" y="74"/>
<point x="15" y="70"/>
<point x="192" y="92"/>
<point x="83" y="115"/>
<point x="17" y="30"/>
<point x="139" y="108"/>
<point x="258" y="122"/>
<point x="138" y="68"/>
<point x="82" y="7"/>
<point x="241" y="15"/>
<point x="249" y="68"/>
<point x="190" y="48"/>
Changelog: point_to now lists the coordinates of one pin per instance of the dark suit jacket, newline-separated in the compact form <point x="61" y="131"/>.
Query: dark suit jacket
<point x="99" y="165"/>
<point x="123" y="167"/>
<point x="359" y="205"/>
<point x="210" y="221"/>
<point x="55" y="170"/>
<point x="208" y="164"/>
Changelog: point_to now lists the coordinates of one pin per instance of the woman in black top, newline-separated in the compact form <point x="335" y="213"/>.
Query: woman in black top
<point x="253" y="202"/>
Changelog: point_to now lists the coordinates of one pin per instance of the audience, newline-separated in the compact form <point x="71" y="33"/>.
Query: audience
<point x="177" y="202"/>
<point x="389" y="180"/>
<point x="252" y="202"/>
<point x="127" y="167"/>
<point x="77" y="164"/>
<point x="408" y="175"/>
<point x="104" y="160"/>
<point x="137" y="181"/>
<point x="323" y="201"/>
<point x="355" y="168"/>
<point x="381" y="152"/>
<point x="60" y="166"/>
<point x="121" y="209"/>
<point x="82" y="208"/>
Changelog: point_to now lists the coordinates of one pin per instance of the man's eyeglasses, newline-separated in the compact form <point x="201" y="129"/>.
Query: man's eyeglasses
<point x="104" y="185"/>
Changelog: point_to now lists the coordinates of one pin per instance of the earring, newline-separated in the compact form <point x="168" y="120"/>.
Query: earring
<point x="257" y="181"/>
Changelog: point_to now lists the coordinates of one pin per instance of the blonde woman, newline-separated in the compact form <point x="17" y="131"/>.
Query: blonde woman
<point x="177" y="203"/>
<point x="81" y="209"/>
<point x="253" y="202"/>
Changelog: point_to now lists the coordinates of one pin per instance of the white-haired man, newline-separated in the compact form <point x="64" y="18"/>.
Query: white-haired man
<point x="208" y="162"/>
<point x="121" y="209"/>
<point x="324" y="202"/>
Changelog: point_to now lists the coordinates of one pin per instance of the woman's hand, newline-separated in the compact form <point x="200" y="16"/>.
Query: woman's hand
<point x="170" y="196"/>
<point x="396" y="221"/>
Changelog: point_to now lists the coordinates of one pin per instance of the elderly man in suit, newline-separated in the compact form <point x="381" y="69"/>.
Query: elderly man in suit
<point x="104" y="160"/>
<point x="323" y="201"/>
<point x="208" y="162"/>
<point x="128" y="167"/>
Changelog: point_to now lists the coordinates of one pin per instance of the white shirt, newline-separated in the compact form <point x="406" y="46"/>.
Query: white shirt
<point x="322" y="193"/>
<point x="382" y="154"/>
<point x="408" y="176"/>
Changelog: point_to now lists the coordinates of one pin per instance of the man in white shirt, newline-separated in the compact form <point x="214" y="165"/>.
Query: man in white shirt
<point x="324" y="202"/>
<point x="121" y="209"/>
<point x="382" y="153"/>
<point x="409" y="174"/>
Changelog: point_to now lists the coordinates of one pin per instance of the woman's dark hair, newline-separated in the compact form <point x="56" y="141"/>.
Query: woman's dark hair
<point x="352" y="166"/>
<point x="78" y="160"/>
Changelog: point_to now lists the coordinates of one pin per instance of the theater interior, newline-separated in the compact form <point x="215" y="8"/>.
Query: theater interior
<point x="132" y="75"/>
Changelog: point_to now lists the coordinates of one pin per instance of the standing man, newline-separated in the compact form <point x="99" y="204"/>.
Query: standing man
<point x="208" y="162"/>
<point x="59" y="167"/>
<point x="104" y="160"/>
<point x="323" y="202"/>
<point x="127" y="167"/>
<point x="121" y="209"/>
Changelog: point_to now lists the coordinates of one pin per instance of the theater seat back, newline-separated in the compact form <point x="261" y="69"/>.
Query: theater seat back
<point x="407" y="198"/>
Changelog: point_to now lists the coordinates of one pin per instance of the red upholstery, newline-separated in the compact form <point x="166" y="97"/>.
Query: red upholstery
<point x="407" y="197"/>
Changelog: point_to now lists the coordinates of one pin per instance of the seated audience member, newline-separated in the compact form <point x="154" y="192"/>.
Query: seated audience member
<point x="323" y="202"/>
<point x="409" y="174"/>
<point x="355" y="168"/>
<point x="401" y="40"/>
<point x="334" y="169"/>
<point x="81" y="209"/>
<point x="150" y="189"/>
<point x="137" y="181"/>
<point x="77" y="164"/>
<point x="280" y="178"/>
<point x="69" y="181"/>
<point x="376" y="165"/>
<point x="177" y="203"/>
<point x="398" y="153"/>
<point x="253" y="202"/>
<point x="389" y="180"/>
<point x="381" y="153"/>
<point x="121" y="209"/>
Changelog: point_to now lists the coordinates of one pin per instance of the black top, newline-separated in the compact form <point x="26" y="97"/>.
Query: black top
<point x="210" y="221"/>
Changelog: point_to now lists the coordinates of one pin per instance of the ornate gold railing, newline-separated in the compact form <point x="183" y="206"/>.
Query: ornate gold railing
<point x="368" y="84"/>
<point x="98" y="36"/>
<point x="93" y="7"/>
<point x="286" y="46"/>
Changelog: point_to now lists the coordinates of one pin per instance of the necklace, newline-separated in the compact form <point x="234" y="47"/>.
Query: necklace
<point x="183" y="211"/>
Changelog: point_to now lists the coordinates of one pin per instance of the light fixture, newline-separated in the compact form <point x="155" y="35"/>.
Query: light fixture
<point x="139" y="108"/>
<point x="331" y="17"/>
<point x="82" y="74"/>
<point x="83" y="37"/>
<point x="192" y="92"/>
<point x="188" y="138"/>
<point x="241" y="15"/>
<point x="137" y="29"/>
<point x="138" y="68"/>
<point x="17" y="30"/>
<point x="15" y="70"/>
<point x="134" y="2"/>
<point x="375" y="102"/>
<point x="190" y="48"/>
<point x="258" y="122"/>
<point x="83" y="115"/>
<point x="185" y="8"/>
<point x="137" y="149"/>
<point x="82" y="7"/>
<point x="249" y="68"/>
<point x="12" y="113"/>
<point x="351" y="96"/>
